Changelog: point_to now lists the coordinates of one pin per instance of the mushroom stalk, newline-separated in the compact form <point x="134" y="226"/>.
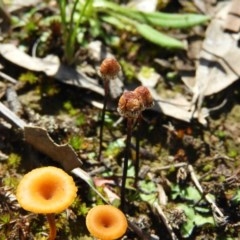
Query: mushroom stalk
<point x="130" y="123"/>
<point x="109" y="70"/>
<point x="137" y="160"/>
<point x="46" y="190"/>
<point x="130" y="106"/>
<point x="106" y="90"/>
<point x="52" y="226"/>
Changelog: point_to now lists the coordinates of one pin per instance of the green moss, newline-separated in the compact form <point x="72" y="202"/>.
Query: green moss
<point x="13" y="160"/>
<point x="80" y="207"/>
<point x="76" y="142"/>
<point x="129" y="70"/>
<point x="10" y="181"/>
<point x="69" y="108"/>
<point x="28" y="77"/>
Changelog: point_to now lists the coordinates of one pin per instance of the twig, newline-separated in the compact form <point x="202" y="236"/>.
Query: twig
<point x="176" y="165"/>
<point x="217" y="213"/>
<point x="11" y="116"/>
<point x="165" y="221"/>
<point x="138" y="231"/>
<point x="8" y="78"/>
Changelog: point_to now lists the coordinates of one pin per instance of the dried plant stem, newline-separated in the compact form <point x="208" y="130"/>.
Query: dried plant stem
<point x="130" y="122"/>
<point x="106" y="89"/>
<point x="52" y="226"/>
<point x="165" y="220"/>
<point x="217" y="213"/>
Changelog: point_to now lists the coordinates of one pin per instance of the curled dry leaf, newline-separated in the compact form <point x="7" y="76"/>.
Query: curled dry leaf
<point x="64" y="154"/>
<point x="218" y="65"/>
<point x="176" y="108"/>
<point x="51" y="66"/>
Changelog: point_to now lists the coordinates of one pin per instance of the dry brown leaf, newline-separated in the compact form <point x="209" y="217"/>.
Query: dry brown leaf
<point x="219" y="61"/>
<point x="51" y="66"/>
<point x="64" y="154"/>
<point x="176" y="108"/>
<point x="233" y="19"/>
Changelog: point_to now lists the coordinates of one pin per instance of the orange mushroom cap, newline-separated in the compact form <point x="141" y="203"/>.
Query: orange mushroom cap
<point x="106" y="222"/>
<point x="46" y="190"/>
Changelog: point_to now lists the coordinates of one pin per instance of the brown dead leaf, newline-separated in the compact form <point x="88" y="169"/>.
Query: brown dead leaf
<point x="218" y="65"/>
<point x="64" y="154"/>
<point x="233" y="18"/>
<point x="51" y="66"/>
<point x="176" y="108"/>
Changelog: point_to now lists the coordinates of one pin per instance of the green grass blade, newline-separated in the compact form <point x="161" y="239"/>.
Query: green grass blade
<point x="158" y="38"/>
<point x="160" y="19"/>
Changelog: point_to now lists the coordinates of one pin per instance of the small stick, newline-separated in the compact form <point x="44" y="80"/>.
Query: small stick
<point x="176" y="165"/>
<point x="11" y="116"/>
<point x="165" y="220"/>
<point x="217" y="213"/>
<point x="8" y="78"/>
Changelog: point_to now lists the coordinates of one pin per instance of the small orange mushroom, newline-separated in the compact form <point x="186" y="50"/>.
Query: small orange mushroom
<point x="106" y="222"/>
<point x="46" y="190"/>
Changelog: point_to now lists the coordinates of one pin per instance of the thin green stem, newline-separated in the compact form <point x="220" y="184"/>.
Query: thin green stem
<point x="71" y="38"/>
<point x="70" y="44"/>
<point x="52" y="226"/>
<point x="130" y="122"/>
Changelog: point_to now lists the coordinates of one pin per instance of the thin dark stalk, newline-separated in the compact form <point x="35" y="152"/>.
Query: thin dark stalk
<point x="137" y="160"/>
<point x="52" y="226"/>
<point x="105" y="100"/>
<point x="125" y="163"/>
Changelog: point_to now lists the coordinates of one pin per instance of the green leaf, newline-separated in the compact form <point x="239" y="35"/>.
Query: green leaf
<point x="187" y="228"/>
<point x="194" y="219"/>
<point x="189" y="193"/>
<point x="236" y="197"/>
<point x="174" y="21"/>
<point x="160" y="19"/>
<point x="76" y="142"/>
<point x="149" y="198"/>
<point x="158" y="38"/>
<point x="115" y="22"/>
<point x="201" y="220"/>
<point x="147" y="186"/>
